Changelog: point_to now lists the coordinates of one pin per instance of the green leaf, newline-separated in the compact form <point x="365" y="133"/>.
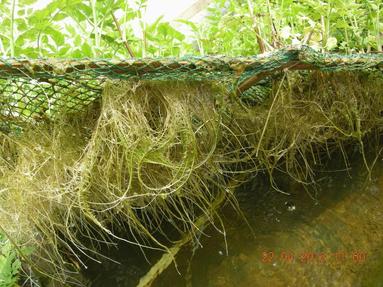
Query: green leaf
<point x="60" y="16"/>
<point x="189" y="23"/>
<point x="77" y="54"/>
<point x="151" y="28"/>
<point x="29" y="52"/>
<point x="63" y="51"/>
<point x="9" y="264"/>
<point x="108" y="39"/>
<point x="331" y="43"/>
<point x="27" y="2"/>
<point x="78" y="40"/>
<point x="86" y="50"/>
<point x="56" y="36"/>
<point x="70" y="29"/>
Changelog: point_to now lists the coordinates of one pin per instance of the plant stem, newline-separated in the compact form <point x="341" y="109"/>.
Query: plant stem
<point x="2" y="50"/>
<point x="274" y="32"/>
<point x="346" y="35"/>
<point x="12" y="38"/>
<point x="144" y="41"/>
<point x="378" y="33"/>
<point x="324" y="39"/>
<point x="257" y="31"/>
<point x="130" y="51"/>
<point x="95" y="28"/>
<point x="200" y="43"/>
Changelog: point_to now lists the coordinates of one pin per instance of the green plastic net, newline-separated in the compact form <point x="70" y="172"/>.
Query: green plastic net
<point x="33" y="90"/>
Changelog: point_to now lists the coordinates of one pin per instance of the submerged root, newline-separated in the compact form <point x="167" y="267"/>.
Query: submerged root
<point x="33" y="198"/>
<point x="156" y="154"/>
<point x="313" y="114"/>
<point x="150" y="148"/>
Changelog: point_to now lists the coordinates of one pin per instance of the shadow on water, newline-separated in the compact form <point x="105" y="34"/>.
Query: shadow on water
<point x="327" y="235"/>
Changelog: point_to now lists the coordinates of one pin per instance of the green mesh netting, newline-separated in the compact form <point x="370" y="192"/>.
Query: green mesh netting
<point x="31" y="90"/>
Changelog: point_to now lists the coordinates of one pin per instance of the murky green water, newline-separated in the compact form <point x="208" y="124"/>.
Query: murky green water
<point x="327" y="235"/>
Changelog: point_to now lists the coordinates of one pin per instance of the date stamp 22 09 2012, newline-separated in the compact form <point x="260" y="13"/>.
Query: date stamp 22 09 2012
<point x="309" y="257"/>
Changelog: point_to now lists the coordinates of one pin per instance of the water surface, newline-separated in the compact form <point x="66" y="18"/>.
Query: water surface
<point x="330" y="234"/>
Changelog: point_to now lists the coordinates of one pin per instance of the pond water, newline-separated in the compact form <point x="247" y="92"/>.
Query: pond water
<point x="330" y="234"/>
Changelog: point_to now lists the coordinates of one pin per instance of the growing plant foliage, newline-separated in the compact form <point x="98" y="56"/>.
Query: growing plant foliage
<point x="78" y="29"/>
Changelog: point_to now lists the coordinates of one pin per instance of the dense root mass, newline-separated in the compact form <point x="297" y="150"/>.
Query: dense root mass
<point x="155" y="153"/>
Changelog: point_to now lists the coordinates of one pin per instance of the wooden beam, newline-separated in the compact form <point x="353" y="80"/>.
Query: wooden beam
<point x="194" y="9"/>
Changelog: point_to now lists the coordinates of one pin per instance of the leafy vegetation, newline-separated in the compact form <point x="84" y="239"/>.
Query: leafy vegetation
<point x="77" y="29"/>
<point x="10" y="263"/>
